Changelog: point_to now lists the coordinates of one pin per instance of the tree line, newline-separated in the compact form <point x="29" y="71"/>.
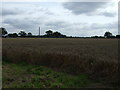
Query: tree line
<point x="49" y="34"/>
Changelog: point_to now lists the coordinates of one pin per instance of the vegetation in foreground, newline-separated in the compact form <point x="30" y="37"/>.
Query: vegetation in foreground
<point x="97" y="58"/>
<point x="30" y="76"/>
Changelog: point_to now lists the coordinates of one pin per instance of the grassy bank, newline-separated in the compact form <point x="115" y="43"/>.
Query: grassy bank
<point x="30" y="76"/>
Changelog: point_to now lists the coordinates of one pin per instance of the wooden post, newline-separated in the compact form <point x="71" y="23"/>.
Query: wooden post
<point x="39" y="31"/>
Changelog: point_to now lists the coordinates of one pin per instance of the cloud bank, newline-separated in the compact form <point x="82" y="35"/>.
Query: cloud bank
<point x="72" y="19"/>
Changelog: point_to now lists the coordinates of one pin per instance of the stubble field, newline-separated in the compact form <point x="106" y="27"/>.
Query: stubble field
<point x="97" y="58"/>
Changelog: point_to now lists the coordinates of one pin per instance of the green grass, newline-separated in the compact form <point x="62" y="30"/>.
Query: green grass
<point x="29" y="76"/>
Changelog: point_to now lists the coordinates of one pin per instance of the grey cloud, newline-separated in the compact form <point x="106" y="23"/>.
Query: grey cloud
<point x="55" y="25"/>
<point x="22" y="23"/>
<point x="88" y="8"/>
<point x="46" y="11"/>
<point x="63" y="24"/>
<point x="49" y="13"/>
<point x="108" y="14"/>
<point x="99" y="26"/>
<point x="78" y="29"/>
<point x="83" y="7"/>
<point x="6" y="12"/>
<point x="74" y="29"/>
<point x="107" y="26"/>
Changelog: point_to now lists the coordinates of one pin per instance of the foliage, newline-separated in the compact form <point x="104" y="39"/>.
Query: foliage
<point x="54" y="34"/>
<point x="29" y="76"/>
<point x="13" y="35"/>
<point x="108" y="34"/>
<point x="29" y="34"/>
<point x="3" y="31"/>
<point x="49" y="32"/>
<point x="117" y="36"/>
<point x="22" y="33"/>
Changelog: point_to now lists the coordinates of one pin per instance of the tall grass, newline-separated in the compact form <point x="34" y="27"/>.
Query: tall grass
<point x="96" y="57"/>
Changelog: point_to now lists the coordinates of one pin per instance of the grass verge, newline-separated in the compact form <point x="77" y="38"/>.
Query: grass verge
<point x="29" y="76"/>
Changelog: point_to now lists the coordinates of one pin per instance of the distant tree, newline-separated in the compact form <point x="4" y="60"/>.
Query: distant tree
<point x="101" y="37"/>
<point x="10" y="35"/>
<point x="49" y="33"/>
<point x="22" y="33"/>
<point x="117" y="36"/>
<point x="108" y="34"/>
<point x="94" y="36"/>
<point x="29" y="34"/>
<point x="13" y="35"/>
<point x="57" y="34"/>
<point x="3" y="31"/>
<point x="64" y="36"/>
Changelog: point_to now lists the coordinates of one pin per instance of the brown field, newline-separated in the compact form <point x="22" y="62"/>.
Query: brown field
<point x="96" y="57"/>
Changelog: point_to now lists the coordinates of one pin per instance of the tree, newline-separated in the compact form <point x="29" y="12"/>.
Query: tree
<point x="49" y="33"/>
<point x="117" y="36"/>
<point x="22" y="33"/>
<point x="108" y="34"/>
<point x="57" y="34"/>
<point x="13" y="35"/>
<point x="29" y="34"/>
<point x="3" y="31"/>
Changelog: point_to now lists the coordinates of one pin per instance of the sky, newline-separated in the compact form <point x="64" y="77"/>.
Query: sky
<point x="69" y="18"/>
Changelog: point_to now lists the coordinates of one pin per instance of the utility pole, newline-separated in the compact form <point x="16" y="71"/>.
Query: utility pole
<point x="39" y="31"/>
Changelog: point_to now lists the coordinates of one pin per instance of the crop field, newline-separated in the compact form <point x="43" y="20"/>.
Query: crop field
<point x="96" y="59"/>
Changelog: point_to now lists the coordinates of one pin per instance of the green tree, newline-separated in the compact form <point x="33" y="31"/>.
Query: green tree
<point x="3" y="31"/>
<point x="117" y="36"/>
<point x="108" y="34"/>
<point x="13" y="35"/>
<point x="22" y="33"/>
<point x="57" y="34"/>
<point x="29" y="34"/>
<point x="49" y="33"/>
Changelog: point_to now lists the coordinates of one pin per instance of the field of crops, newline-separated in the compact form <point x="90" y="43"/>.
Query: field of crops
<point x="98" y="58"/>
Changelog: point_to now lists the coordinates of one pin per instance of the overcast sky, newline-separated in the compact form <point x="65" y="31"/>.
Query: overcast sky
<point x="69" y="18"/>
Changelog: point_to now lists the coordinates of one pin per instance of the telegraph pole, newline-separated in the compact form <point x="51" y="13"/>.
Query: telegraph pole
<point x="39" y="31"/>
